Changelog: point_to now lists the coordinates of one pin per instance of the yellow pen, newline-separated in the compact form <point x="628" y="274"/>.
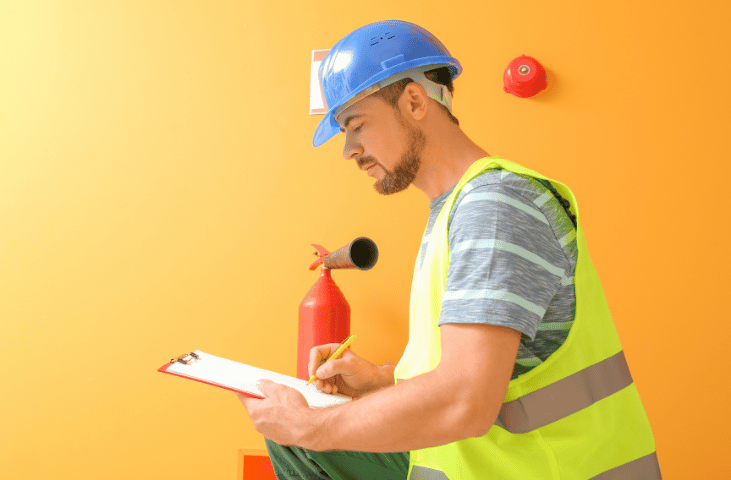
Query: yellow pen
<point x="335" y="355"/>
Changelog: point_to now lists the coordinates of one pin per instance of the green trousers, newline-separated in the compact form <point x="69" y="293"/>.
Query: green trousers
<point x="294" y="463"/>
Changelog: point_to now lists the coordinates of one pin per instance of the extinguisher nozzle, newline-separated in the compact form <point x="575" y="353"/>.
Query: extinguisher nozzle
<point x="361" y="253"/>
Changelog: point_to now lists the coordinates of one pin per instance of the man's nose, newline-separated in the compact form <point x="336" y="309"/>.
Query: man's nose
<point x="351" y="148"/>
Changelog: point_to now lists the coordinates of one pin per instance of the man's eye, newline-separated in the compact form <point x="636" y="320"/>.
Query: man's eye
<point x="356" y="129"/>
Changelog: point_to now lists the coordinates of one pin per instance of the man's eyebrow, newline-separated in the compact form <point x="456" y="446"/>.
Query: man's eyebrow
<point x="347" y="121"/>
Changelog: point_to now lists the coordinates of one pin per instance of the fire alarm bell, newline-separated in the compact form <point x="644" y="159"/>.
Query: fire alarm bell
<point x="524" y="77"/>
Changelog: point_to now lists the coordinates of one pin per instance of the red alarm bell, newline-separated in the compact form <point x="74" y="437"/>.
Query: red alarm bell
<point x="524" y="77"/>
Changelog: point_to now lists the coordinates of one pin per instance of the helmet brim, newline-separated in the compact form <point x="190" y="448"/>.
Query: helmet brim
<point x="327" y="129"/>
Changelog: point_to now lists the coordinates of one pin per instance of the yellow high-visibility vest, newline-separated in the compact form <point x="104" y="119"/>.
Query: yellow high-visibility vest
<point x="576" y="416"/>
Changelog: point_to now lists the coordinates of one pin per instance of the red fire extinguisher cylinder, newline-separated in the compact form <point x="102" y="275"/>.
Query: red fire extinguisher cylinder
<point x="324" y="314"/>
<point x="324" y="317"/>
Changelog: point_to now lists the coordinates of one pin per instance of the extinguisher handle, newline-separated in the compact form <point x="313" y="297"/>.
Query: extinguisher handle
<point x="319" y="262"/>
<point x="322" y="252"/>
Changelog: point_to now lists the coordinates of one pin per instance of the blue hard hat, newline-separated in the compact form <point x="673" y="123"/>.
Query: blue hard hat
<point x="374" y="56"/>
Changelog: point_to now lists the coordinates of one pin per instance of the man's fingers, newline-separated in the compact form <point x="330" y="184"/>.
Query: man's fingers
<point x="325" y="371"/>
<point x="318" y="355"/>
<point x="245" y="400"/>
<point x="266" y="387"/>
<point x="275" y="390"/>
<point x="314" y="361"/>
<point x="334" y="367"/>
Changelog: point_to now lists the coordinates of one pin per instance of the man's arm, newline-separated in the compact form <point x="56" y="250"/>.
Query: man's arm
<point x="385" y="376"/>
<point x="460" y="398"/>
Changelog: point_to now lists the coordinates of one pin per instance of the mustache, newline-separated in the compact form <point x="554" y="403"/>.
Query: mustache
<point x="365" y="161"/>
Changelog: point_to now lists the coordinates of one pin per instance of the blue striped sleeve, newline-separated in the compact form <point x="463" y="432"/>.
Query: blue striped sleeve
<point x="505" y="263"/>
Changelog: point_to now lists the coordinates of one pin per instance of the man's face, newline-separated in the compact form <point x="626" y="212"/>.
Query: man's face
<point x="377" y="136"/>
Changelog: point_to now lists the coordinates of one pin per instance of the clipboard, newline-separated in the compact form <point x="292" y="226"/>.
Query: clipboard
<point x="239" y="377"/>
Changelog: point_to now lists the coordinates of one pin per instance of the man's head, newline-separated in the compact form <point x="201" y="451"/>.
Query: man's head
<point x="375" y="56"/>
<point x="384" y="132"/>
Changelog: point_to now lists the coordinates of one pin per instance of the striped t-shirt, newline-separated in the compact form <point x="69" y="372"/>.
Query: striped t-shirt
<point x="512" y="256"/>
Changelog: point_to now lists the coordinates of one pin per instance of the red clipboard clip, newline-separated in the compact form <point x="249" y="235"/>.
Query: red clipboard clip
<point x="187" y="359"/>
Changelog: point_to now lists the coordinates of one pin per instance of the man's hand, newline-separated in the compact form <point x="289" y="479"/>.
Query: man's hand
<point x="283" y="416"/>
<point x="350" y="374"/>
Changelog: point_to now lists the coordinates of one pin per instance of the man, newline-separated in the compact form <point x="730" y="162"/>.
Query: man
<point x="513" y="369"/>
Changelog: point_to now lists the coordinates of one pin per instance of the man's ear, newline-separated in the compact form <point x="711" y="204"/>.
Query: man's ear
<point x="414" y="101"/>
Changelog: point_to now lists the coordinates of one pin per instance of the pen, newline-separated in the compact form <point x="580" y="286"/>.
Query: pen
<point x="335" y="355"/>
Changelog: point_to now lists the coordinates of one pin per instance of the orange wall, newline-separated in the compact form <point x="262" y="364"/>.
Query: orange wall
<point x="159" y="193"/>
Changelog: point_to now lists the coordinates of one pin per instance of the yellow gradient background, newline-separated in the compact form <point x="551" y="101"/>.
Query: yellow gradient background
<point x="159" y="193"/>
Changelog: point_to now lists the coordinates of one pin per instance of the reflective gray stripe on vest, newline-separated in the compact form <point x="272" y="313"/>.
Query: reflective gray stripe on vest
<point x="423" y="473"/>
<point x="566" y="396"/>
<point x="561" y="399"/>
<point x="645" y="468"/>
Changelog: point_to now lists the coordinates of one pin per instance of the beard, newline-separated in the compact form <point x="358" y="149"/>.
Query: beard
<point x="407" y="168"/>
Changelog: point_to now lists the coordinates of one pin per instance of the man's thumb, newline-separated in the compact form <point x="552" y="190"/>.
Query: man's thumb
<point x="329" y="369"/>
<point x="263" y="386"/>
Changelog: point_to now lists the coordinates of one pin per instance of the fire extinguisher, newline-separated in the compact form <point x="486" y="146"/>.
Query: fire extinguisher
<point x="324" y="314"/>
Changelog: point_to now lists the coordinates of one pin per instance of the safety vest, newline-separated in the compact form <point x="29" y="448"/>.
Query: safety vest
<point x="576" y="416"/>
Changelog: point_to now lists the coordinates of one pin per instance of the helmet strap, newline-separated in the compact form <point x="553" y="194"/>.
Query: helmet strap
<point x="434" y="90"/>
